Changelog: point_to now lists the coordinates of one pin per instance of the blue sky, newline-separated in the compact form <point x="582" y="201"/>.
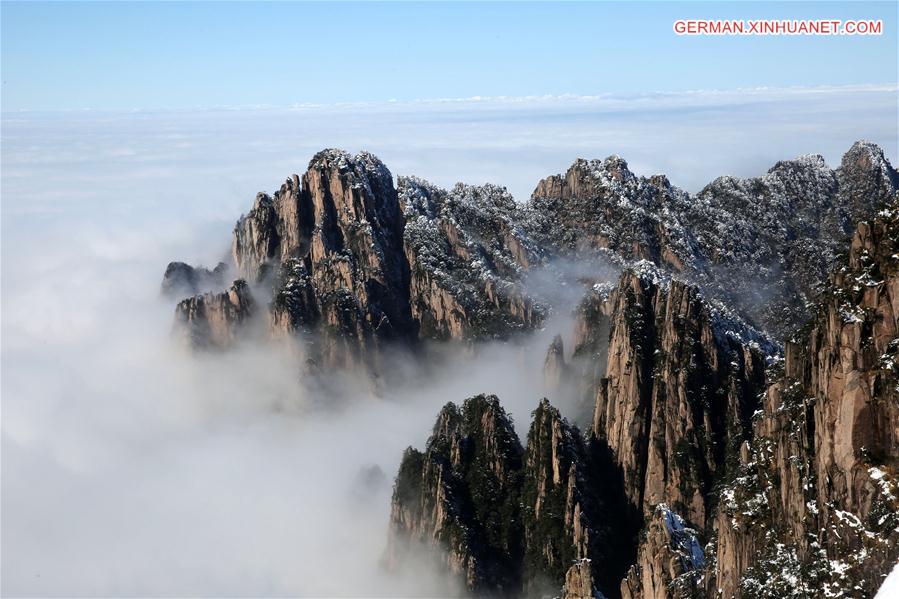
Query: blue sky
<point x="186" y="55"/>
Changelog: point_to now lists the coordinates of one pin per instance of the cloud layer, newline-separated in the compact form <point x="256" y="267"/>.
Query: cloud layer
<point x="133" y="468"/>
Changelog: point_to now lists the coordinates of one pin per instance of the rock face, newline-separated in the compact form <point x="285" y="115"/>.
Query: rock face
<point x="561" y="514"/>
<point x="764" y="245"/>
<point x="467" y="252"/>
<point x="674" y="380"/>
<point x="795" y="495"/>
<point x="460" y="497"/>
<point x="181" y="279"/>
<point x="555" y="369"/>
<point x="579" y="582"/>
<point x="815" y="504"/>
<point x="507" y="522"/>
<point x="677" y="390"/>
<point x="341" y="253"/>
<point x="215" y="320"/>
<point x="257" y="241"/>
<point x="334" y="238"/>
<point x="716" y="462"/>
<point x="670" y="561"/>
<point x="357" y="263"/>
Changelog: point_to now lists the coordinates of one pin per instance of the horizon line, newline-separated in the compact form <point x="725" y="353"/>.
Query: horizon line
<point x="564" y="98"/>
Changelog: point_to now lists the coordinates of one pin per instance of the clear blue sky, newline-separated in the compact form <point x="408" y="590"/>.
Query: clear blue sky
<point x="183" y="55"/>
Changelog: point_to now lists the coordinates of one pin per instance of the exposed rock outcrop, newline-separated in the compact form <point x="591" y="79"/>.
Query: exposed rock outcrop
<point x="486" y="508"/>
<point x="555" y="369"/>
<point x="815" y="505"/>
<point x="342" y="227"/>
<point x="460" y="498"/>
<point x="358" y="264"/>
<point x="579" y="582"/>
<point x="866" y="179"/>
<point x="789" y="476"/>
<point x="181" y="279"/>
<point x="561" y="511"/>
<point x="676" y="393"/>
<point x="262" y="236"/>
<point x="331" y="244"/>
<point x="467" y="251"/>
<point x="215" y="320"/>
<point x="764" y="245"/>
<point x="670" y="561"/>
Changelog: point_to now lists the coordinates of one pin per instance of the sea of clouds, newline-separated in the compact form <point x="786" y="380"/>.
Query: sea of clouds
<point x="132" y="467"/>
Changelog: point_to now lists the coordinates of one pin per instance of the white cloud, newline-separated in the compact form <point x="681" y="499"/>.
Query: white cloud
<point x="132" y="468"/>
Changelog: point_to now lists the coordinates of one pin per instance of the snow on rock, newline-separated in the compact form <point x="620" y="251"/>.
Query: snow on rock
<point x="684" y="539"/>
<point x="764" y="244"/>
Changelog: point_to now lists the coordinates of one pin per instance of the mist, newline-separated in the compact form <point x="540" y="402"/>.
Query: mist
<point x="131" y="466"/>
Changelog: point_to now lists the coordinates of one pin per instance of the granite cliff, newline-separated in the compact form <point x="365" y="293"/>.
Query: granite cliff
<point x="360" y="262"/>
<point x="709" y="473"/>
<point x="736" y="415"/>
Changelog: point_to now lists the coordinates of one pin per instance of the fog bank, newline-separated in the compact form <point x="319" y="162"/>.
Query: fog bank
<point x="131" y="467"/>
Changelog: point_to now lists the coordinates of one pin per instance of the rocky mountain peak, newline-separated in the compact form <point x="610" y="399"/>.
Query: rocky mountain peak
<point x="561" y="514"/>
<point x="371" y="262"/>
<point x="330" y="243"/>
<point x="418" y="197"/>
<point x="866" y="156"/>
<point x="467" y="252"/>
<point x="713" y="464"/>
<point x="481" y="502"/>
<point x="362" y="163"/>
<point x="181" y="279"/>
<point x="670" y="562"/>
<point x="375" y="201"/>
<point x="867" y="181"/>
<point x="742" y="490"/>
<point x="555" y="370"/>
<point x="810" y="162"/>
<point x="448" y="424"/>
<point x="459" y="499"/>
<point x="762" y="245"/>
<point x="616" y="168"/>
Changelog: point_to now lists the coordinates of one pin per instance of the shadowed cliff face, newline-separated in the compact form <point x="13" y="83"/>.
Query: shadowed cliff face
<point x="462" y="495"/>
<point x="507" y="521"/>
<point x="670" y="562"/>
<point x="357" y="265"/>
<point x="678" y="389"/>
<point x="467" y="253"/>
<point x="332" y="243"/>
